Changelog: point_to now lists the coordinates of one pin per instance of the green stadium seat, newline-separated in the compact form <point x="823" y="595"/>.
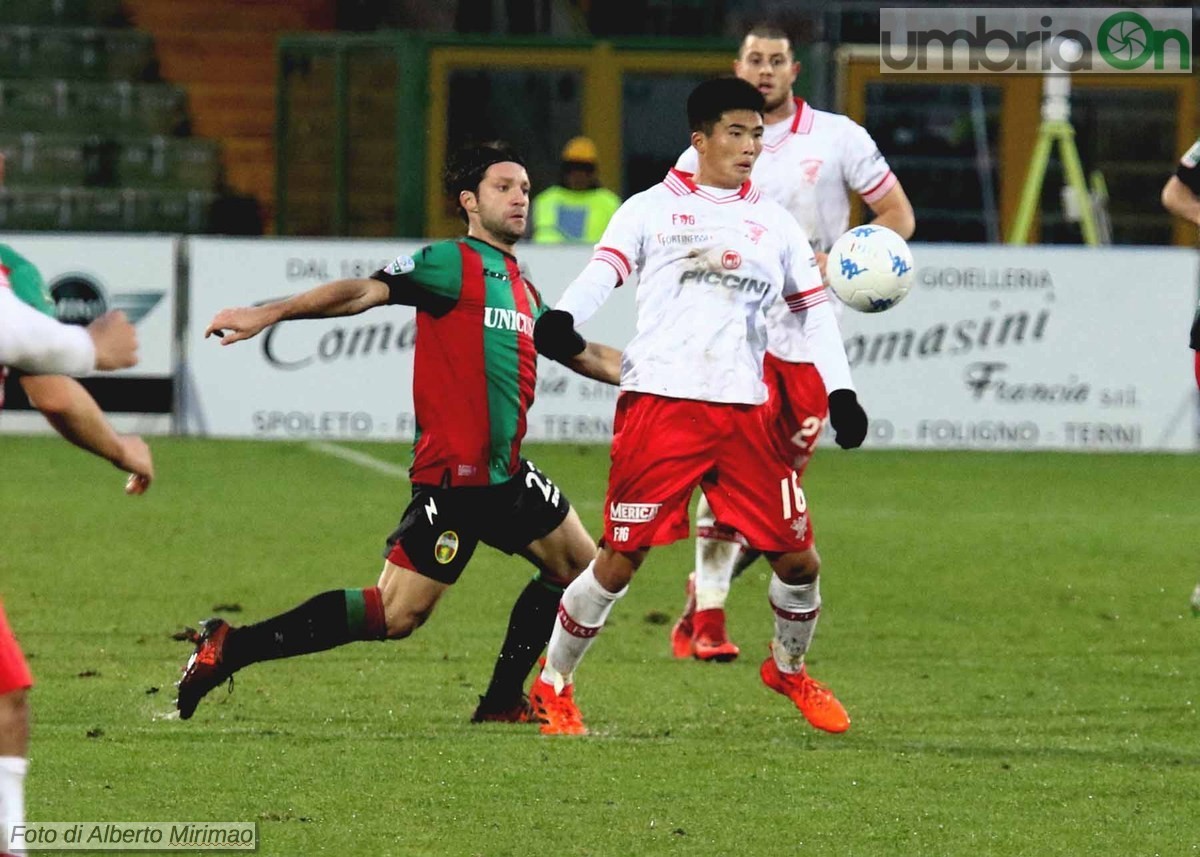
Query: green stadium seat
<point x="76" y="53"/>
<point x="105" y="210"/>
<point x="34" y="209"/>
<point x="119" y="108"/>
<point x="62" y="13"/>
<point x="167" y="162"/>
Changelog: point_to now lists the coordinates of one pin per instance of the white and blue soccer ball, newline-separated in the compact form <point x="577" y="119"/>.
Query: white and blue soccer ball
<point x="870" y="268"/>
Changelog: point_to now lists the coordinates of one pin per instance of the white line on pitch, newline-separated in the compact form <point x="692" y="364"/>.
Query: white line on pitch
<point x="360" y="458"/>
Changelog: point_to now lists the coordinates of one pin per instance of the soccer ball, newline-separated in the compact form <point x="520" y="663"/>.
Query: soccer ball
<point x="870" y="268"/>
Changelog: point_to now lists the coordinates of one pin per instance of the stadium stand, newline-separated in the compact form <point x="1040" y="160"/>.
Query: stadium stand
<point x="99" y="101"/>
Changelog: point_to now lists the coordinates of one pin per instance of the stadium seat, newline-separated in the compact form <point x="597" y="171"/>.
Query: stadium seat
<point x="105" y="210"/>
<point x="90" y="108"/>
<point x="62" y="13"/>
<point x="166" y="162"/>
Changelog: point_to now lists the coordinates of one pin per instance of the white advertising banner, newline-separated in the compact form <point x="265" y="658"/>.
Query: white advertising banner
<point x="1033" y="348"/>
<point x="996" y="348"/>
<point x="90" y="274"/>
<point x="351" y="378"/>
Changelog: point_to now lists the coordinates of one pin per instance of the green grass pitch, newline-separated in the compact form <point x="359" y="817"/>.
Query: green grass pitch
<point x="1010" y="633"/>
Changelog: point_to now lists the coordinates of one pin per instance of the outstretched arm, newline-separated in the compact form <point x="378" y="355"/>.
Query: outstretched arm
<point x="35" y="342"/>
<point x="74" y="414"/>
<point x="598" y="362"/>
<point x="894" y="211"/>
<point x="338" y="298"/>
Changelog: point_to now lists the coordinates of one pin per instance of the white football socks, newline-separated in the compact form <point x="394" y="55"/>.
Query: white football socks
<point x="582" y="612"/>
<point x="796" y="611"/>
<point x="716" y="556"/>
<point x="12" y="798"/>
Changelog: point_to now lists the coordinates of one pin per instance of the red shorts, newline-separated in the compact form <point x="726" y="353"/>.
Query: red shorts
<point x="14" y="672"/>
<point x="663" y="448"/>
<point x="797" y="408"/>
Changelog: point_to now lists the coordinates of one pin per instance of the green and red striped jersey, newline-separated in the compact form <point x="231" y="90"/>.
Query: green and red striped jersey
<point x="475" y="367"/>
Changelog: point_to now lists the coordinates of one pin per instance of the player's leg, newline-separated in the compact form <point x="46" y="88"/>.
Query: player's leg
<point x="761" y="496"/>
<point x="15" y="681"/>
<point x="648" y="490"/>
<point x="794" y="415"/>
<point x="700" y="632"/>
<point x="425" y="555"/>
<point x="585" y="607"/>
<point x="535" y="520"/>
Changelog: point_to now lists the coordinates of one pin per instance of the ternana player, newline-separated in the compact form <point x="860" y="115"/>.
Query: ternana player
<point x="810" y="161"/>
<point x="712" y="254"/>
<point x="32" y="341"/>
<point x="475" y="320"/>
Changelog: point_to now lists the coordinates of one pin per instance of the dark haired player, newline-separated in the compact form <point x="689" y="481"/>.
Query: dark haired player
<point x="712" y="254"/>
<point x="475" y="319"/>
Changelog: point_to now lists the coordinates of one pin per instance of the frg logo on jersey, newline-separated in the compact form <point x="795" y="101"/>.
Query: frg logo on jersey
<point x="731" y="259"/>
<point x="633" y="513"/>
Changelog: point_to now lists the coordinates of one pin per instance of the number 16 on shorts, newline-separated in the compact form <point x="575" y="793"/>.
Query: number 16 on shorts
<point x="794" y="501"/>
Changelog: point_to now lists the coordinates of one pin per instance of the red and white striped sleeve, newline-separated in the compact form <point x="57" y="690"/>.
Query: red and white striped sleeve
<point x="611" y="264"/>
<point x="864" y="168"/>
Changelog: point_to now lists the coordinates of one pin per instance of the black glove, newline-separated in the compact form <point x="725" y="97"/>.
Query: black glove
<point x="848" y="419"/>
<point x="554" y="335"/>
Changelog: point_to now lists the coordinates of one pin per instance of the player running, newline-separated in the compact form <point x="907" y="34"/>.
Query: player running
<point x="712" y="254"/>
<point x="810" y="160"/>
<point x="475" y="319"/>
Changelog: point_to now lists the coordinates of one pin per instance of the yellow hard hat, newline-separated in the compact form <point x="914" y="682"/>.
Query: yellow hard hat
<point x="580" y="150"/>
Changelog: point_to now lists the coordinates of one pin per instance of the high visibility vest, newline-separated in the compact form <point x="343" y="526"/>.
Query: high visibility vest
<point x="561" y="215"/>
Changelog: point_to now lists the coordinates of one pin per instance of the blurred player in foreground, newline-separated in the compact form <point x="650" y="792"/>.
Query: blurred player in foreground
<point x="712" y="254"/>
<point x="1181" y="197"/>
<point x="475" y="321"/>
<point x="810" y="160"/>
<point x="32" y="341"/>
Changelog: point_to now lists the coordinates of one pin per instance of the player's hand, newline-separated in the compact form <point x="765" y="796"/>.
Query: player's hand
<point x="554" y="335"/>
<point x="115" y="340"/>
<point x="137" y="462"/>
<point x="822" y="261"/>
<point x="848" y="419"/>
<point x="234" y="325"/>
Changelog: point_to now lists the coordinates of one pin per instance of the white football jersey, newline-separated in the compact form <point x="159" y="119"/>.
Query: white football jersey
<point x="709" y="262"/>
<point x="809" y="165"/>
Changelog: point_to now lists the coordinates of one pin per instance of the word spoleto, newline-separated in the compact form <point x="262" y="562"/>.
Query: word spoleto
<point x="997" y="40"/>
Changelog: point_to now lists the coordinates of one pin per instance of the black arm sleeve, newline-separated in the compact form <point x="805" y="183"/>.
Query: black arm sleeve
<point x="404" y="290"/>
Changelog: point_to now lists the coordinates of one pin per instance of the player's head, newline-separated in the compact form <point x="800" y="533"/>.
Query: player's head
<point x="725" y="115"/>
<point x="765" y="59"/>
<point x="491" y="188"/>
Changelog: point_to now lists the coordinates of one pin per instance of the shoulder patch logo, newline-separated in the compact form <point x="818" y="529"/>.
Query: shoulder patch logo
<point x="400" y="265"/>
<point x="446" y="547"/>
<point x="1192" y="156"/>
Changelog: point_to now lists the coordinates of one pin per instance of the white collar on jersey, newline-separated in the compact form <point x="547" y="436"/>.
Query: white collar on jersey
<point x="682" y="184"/>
